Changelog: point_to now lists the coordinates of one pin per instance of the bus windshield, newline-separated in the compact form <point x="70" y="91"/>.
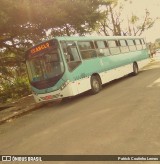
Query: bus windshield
<point x="45" y="66"/>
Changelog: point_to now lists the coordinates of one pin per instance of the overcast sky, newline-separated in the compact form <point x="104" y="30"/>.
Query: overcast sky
<point x="138" y="7"/>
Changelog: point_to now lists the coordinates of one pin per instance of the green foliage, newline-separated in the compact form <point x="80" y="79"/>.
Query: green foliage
<point x="23" y="23"/>
<point x="14" y="90"/>
<point x="134" y="19"/>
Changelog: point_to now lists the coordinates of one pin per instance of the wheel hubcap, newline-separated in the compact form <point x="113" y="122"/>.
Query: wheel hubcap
<point x="135" y="69"/>
<point x="96" y="85"/>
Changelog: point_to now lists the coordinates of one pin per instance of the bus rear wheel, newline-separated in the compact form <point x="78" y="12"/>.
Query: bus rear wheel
<point x="96" y="84"/>
<point x="135" y="69"/>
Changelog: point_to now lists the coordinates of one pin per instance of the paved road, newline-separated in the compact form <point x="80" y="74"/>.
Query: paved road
<point x="123" y="118"/>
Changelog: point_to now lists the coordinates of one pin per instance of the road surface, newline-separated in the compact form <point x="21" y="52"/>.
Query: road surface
<point x="124" y="118"/>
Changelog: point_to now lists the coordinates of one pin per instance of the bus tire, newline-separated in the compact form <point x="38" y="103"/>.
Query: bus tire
<point x="96" y="84"/>
<point x="135" y="69"/>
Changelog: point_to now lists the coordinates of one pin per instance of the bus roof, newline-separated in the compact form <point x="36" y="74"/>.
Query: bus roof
<point x="87" y="38"/>
<point x="78" y="38"/>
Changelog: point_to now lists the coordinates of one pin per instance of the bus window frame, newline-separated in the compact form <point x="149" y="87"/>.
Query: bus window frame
<point x="99" y="49"/>
<point x="143" y="44"/>
<point x="138" y="46"/>
<point x="93" y="48"/>
<point x="126" y="46"/>
<point x="69" y="64"/>
<point x="133" y="45"/>
<point x="117" y="46"/>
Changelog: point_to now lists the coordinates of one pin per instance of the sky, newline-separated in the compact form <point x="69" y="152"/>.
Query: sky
<point x="138" y="7"/>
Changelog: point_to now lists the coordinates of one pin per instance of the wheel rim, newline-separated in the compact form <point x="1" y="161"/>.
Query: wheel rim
<point x="135" y="69"/>
<point x="95" y="85"/>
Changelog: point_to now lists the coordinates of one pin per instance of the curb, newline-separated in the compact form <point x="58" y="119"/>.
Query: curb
<point x="20" y="112"/>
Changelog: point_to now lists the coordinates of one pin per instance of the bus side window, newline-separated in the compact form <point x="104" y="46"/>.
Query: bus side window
<point x="64" y="48"/>
<point x="70" y="51"/>
<point x="102" y="48"/>
<point x="138" y="44"/>
<point x="71" y="54"/>
<point x="87" y="49"/>
<point x="114" y="48"/>
<point x="143" y="44"/>
<point x="131" y="45"/>
<point x="123" y="46"/>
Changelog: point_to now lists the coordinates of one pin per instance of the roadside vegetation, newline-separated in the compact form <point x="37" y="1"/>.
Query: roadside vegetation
<point x="24" y="23"/>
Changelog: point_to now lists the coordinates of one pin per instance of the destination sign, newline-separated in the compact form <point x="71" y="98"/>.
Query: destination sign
<point x="40" y="48"/>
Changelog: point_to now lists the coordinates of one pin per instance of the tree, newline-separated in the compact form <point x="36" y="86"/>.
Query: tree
<point x="113" y="24"/>
<point x="23" y="23"/>
<point x="140" y="25"/>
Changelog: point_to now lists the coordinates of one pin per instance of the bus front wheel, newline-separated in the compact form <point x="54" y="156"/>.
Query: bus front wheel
<point x="135" y="69"/>
<point x="96" y="85"/>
